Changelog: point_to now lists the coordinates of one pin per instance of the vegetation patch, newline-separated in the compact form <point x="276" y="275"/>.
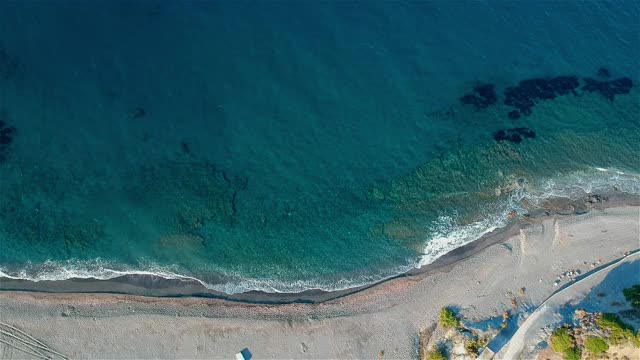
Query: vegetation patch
<point x="474" y="346"/>
<point x="596" y="345"/>
<point x="619" y="332"/>
<point x="436" y="354"/>
<point x="573" y="354"/>
<point x="448" y="318"/>
<point x="561" y="340"/>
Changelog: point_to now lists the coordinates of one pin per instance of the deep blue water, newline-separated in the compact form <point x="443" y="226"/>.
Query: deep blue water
<point x="288" y="145"/>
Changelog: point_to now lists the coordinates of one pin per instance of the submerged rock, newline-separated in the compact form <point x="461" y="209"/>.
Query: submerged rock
<point x="7" y="134"/>
<point x="528" y="92"/>
<point x="595" y="198"/>
<point x="481" y="97"/>
<point x="514" y="135"/>
<point x="609" y="89"/>
<point x="138" y="113"/>
<point x="514" y="115"/>
<point x="604" y="72"/>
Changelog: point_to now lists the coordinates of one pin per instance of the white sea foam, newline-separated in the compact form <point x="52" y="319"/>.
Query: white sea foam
<point x="94" y="269"/>
<point x="55" y="271"/>
<point x="240" y="285"/>
<point x="579" y="183"/>
<point x="447" y="235"/>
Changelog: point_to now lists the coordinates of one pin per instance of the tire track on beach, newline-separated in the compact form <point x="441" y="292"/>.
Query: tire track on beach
<point x="16" y="339"/>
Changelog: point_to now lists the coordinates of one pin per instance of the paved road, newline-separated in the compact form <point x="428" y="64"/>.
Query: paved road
<point x="531" y="331"/>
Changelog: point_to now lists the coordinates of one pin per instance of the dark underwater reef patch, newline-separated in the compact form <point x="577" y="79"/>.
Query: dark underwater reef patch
<point x="481" y="97"/>
<point x="514" y="115"/>
<point x="7" y="134"/>
<point x="514" y="135"/>
<point x="529" y="92"/>
<point x="604" y="73"/>
<point x="609" y="89"/>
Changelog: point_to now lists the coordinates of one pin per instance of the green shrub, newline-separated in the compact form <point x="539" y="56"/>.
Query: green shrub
<point x="573" y="354"/>
<point x="436" y="354"/>
<point x="619" y="332"/>
<point x="561" y="340"/>
<point x="596" y="345"/>
<point x="474" y="345"/>
<point x="448" y="318"/>
<point x="632" y="295"/>
<point x="609" y="321"/>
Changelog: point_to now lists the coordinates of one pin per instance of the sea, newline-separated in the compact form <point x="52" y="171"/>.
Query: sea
<point x="283" y="146"/>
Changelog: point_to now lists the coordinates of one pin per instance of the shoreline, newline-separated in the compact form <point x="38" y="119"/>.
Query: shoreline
<point x="157" y="286"/>
<point x="513" y="276"/>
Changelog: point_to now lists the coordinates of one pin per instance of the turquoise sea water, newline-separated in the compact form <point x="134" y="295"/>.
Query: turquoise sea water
<point x="282" y="146"/>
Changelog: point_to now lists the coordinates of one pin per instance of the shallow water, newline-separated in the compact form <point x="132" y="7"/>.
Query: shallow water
<point x="285" y="146"/>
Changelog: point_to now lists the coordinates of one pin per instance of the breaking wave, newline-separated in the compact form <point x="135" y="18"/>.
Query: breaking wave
<point x="233" y="284"/>
<point x="449" y="235"/>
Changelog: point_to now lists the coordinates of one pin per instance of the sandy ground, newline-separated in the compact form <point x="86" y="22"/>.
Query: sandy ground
<point x="385" y="318"/>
